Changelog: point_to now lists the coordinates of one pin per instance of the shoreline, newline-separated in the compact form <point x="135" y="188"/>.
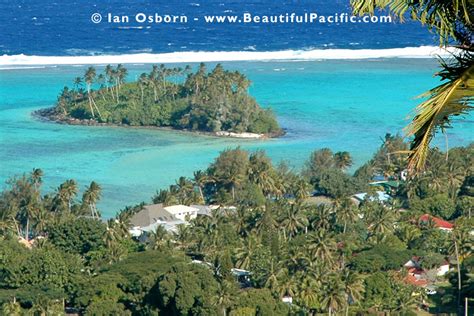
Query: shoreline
<point x="51" y="115"/>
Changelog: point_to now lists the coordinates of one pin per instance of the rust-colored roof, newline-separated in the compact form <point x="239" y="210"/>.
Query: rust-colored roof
<point x="411" y="279"/>
<point x="438" y="222"/>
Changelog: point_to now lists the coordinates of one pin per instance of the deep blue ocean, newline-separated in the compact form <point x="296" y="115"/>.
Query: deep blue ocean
<point x="47" y="27"/>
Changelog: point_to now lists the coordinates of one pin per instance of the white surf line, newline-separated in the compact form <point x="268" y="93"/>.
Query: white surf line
<point x="194" y="57"/>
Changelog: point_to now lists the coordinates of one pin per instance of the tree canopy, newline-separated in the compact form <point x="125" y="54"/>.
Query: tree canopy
<point x="297" y="234"/>
<point x="215" y="101"/>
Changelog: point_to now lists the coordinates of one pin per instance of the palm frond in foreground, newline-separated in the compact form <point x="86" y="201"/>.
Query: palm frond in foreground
<point x="452" y="21"/>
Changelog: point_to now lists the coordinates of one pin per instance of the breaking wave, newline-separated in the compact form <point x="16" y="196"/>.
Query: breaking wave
<point x="202" y="56"/>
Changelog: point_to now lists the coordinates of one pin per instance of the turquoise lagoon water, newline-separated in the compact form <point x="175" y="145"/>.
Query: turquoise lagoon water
<point x="344" y="105"/>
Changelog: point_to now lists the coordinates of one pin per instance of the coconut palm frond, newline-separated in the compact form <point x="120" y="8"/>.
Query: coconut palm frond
<point x="451" y="20"/>
<point x="440" y="15"/>
<point x="397" y="7"/>
<point x="452" y="98"/>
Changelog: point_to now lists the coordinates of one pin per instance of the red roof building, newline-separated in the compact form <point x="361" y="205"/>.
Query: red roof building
<point x="438" y="222"/>
<point x="413" y="280"/>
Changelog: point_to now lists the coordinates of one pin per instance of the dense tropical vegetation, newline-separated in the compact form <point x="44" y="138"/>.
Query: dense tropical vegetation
<point x="296" y="231"/>
<point x="453" y="22"/>
<point x="217" y="101"/>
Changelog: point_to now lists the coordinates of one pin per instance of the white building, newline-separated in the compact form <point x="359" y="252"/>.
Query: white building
<point x="151" y="216"/>
<point x="182" y="212"/>
<point x="443" y="269"/>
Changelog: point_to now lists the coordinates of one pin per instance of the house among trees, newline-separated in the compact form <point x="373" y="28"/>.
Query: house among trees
<point x="416" y="274"/>
<point x="379" y="195"/>
<point x="424" y="274"/>
<point x="152" y="216"/>
<point x="390" y="186"/>
<point x="242" y="276"/>
<point x="205" y="210"/>
<point x="417" y="264"/>
<point x="426" y="219"/>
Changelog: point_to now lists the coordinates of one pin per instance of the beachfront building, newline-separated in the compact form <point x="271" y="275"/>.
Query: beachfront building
<point x="152" y="216"/>
<point x="205" y="210"/>
<point x="182" y="212"/>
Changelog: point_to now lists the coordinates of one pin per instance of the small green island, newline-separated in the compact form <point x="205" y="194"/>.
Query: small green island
<point x="215" y="102"/>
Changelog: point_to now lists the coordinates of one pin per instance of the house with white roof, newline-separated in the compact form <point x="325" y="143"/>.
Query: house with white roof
<point x="379" y="195"/>
<point x="151" y="216"/>
<point x="182" y="212"/>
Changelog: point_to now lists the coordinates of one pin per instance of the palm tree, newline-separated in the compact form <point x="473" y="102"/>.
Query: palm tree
<point x="66" y="193"/>
<point x="152" y="79"/>
<point x="294" y="220"/>
<point x="406" y="300"/>
<point x="183" y="236"/>
<point x="36" y="177"/>
<point x="199" y="78"/>
<point x="346" y="213"/>
<point x="113" y="237"/>
<point x="41" y="218"/>
<point x="226" y="294"/>
<point x="8" y="222"/>
<point x="18" y="206"/>
<point x="12" y="308"/>
<point x="142" y="82"/>
<point x="408" y="233"/>
<point x="101" y="81"/>
<point x="210" y="232"/>
<point x="115" y="79"/>
<point x="77" y="83"/>
<point x="200" y="179"/>
<point x="273" y="275"/>
<point x="461" y="248"/>
<point x="231" y="167"/>
<point x="242" y="226"/>
<point x="322" y="217"/>
<point x="301" y="190"/>
<point x="159" y="239"/>
<point x="109" y="78"/>
<point x="322" y="246"/>
<point x="454" y="179"/>
<point x="183" y="189"/>
<point x="333" y="296"/>
<point x="44" y="306"/>
<point x="89" y="78"/>
<point x="353" y="287"/>
<point x="342" y="160"/>
<point x="286" y="285"/>
<point x="245" y="252"/>
<point x="452" y="21"/>
<point x="308" y="293"/>
<point x="90" y="197"/>
<point x="261" y="173"/>
<point x="390" y="159"/>
<point x="380" y="220"/>
<point x="122" y="73"/>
